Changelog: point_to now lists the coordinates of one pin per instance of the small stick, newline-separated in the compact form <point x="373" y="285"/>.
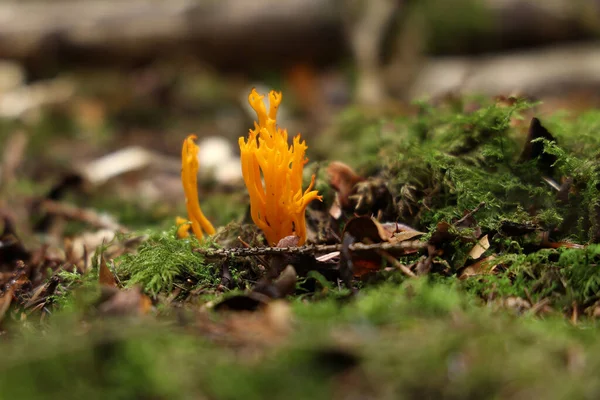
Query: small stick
<point x="397" y="264"/>
<point x="356" y="247"/>
<point x="470" y="213"/>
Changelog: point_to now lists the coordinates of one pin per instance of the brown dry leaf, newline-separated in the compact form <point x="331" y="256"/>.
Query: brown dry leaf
<point x="480" y="247"/>
<point x="404" y="236"/>
<point x="289" y="241"/>
<point x="105" y="276"/>
<point x="342" y="178"/>
<point x="363" y="267"/>
<point x="395" y="232"/>
<point x="5" y="301"/>
<point x="368" y="230"/>
<point x="481" y="267"/>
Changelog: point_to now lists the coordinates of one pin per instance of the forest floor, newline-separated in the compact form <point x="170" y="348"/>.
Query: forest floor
<point x="454" y="255"/>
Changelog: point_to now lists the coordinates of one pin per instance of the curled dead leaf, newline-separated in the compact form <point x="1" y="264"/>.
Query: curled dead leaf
<point x="479" y="248"/>
<point x="105" y="276"/>
<point x="482" y="267"/>
<point x="289" y="241"/>
<point x="368" y="230"/>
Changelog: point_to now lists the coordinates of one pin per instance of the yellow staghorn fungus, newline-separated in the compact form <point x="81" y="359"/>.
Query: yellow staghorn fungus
<point x="189" y="178"/>
<point x="278" y="206"/>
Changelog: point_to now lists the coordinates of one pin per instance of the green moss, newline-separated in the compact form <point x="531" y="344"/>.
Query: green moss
<point x="76" y="291"/>
<point x="381" y="345"/>
<point x="163" y="260"/>
<point x="580" y="269"/>
<point x="450" y="157"/>
<point x="563" y="276"/>
<point x="464" y="159"/>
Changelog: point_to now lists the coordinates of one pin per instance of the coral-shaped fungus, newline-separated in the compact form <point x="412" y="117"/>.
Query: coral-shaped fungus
<point x="278" y="205"/>
<point x="189" y="178"/>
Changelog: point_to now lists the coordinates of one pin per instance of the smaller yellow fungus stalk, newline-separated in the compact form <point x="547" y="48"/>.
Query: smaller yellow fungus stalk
<point x="189" y="178"/>
<point x="278" y="206"/>
<point x="183" y="227"/>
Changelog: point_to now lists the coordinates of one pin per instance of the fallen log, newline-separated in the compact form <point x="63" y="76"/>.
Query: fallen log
<point x="227" y="32"/>
<point x="242" y="34"/>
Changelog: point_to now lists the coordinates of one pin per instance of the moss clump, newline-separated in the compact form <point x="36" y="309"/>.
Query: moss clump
<point x="162" y="260"/>
<point x="563" y="276"/>
<point x="75" y="290"/>
<point x="581" y="203"/>
<point x="450" y="157"/>
<point x="580" y="269"/>
<point x="451" y="161"/>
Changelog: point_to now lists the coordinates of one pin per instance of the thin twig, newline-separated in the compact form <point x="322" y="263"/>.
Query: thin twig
<point x="469" y="214"/>
<point x="397" y="264"/>
<point x="312" y="249"/>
